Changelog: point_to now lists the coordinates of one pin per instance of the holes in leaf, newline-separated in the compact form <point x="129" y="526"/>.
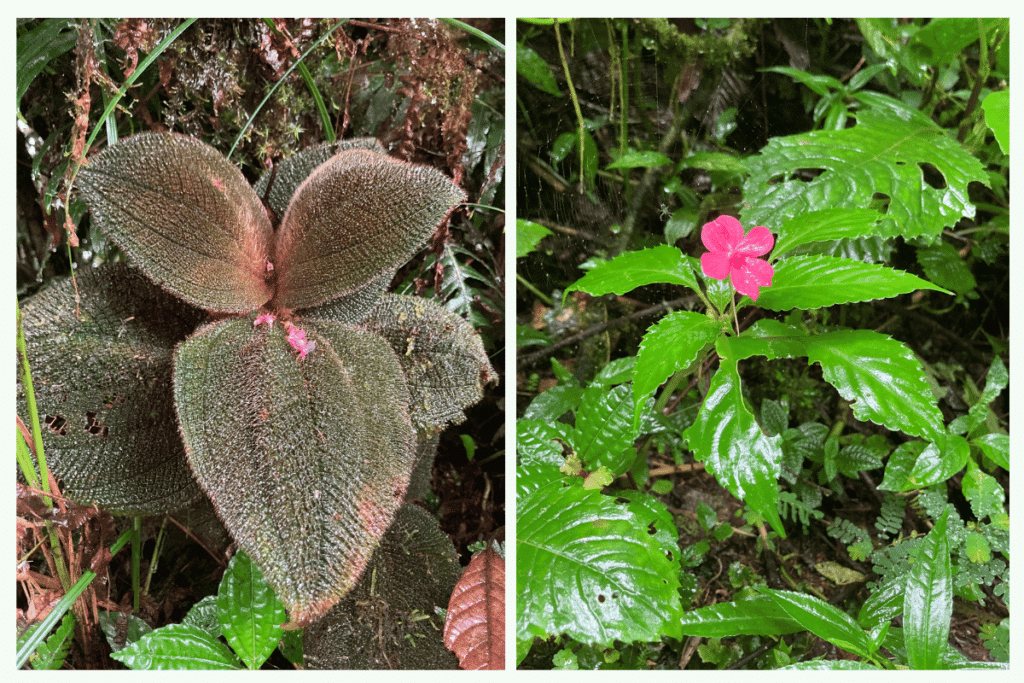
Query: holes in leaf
<point x="57" y="423"/>
<point x="668" y="554"/>
<point x="622" y="501"/>
<point x="806" y="175"/>
<point x="615" y="595"/>
<point x="880" y="202"/>
<point x="94" y="427"/>
<point x="600" y="598"/>
<point x="932" y="176"/>
<point x="652" y="529"/>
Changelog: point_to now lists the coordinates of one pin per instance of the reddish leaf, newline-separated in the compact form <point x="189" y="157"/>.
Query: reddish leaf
<point x="475" y="626"/>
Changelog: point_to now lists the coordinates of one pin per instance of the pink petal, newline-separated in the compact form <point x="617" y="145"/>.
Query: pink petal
<point x="759" y="241"/>
<point x="753" y="275"/>
<point x="721" y="234"/>
<point x="715" y="265"/>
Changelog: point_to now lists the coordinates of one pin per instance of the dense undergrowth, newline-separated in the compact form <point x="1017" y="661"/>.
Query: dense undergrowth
<point x="256" y="91"/>
<point x="732" y="461"/>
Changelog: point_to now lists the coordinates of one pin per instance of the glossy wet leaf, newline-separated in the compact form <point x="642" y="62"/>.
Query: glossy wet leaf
<point x="103" y="387"/>
<point x="636" y="269"/>
<point x="756" y="616"/>
<point x="881" y="155"/>
<point x="825" y="621"/>
<point x="928" y="601"/>
<point x="185" y="216"/>
<point x="176" y="647"/>
<point x="356" y="216"/>
<point x="820" y="281"/>
<point x="944" y="266"/>
<point x="249" y="613"/>
<point x="474" y="627"/>
<point x="528" y="234"/>
<point x="641" y="159"/>
<point x="305" y="460"/>
<point x="604" y="429"/>
<point x="589" y="566"/>
<point x="728" y="440"/>
<point x="537" y="441"/>
<point x="672" y="344"/>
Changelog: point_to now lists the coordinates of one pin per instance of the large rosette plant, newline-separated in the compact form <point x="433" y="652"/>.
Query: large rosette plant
<point x="252" y="354"/>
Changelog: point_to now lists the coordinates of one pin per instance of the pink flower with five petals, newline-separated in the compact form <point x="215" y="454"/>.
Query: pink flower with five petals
<point x="733" y="253"/>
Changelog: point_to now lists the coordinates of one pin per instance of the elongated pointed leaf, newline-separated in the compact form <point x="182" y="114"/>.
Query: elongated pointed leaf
<point x="820" y="281"/>
<point x="634" y="269"/>
<point x="442" y="356"/>
<point x="758" y="616"/>
<point x="670" y="345"/>
<point x="928" y="601"/>
<point x="728" y="440"/>
<point x="249" y="613"/>
<point x="185" y="216"/>
<point x="353" y="308"/>
<point x="823" y="226"/>
<point x="589" y="566"/>
<point x="306" y="460"/>
<point x="825" y="621"/>
<point x="877" y="374"/>
<point x="178" y="647"/>
<point x="102" y="382"/>
<point x="356" y="216"/>
<point x="882" y="155"/>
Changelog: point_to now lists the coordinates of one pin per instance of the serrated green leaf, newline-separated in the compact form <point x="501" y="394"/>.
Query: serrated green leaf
<point x="928" y="600"/>
<point x="825" y="621"/>
<point x="879" y="376"/>
<point x="588" y="566"/>
<point x="250" y="614"/>
<point x="983" y="492"/>
<point x="554" y="403"/>
<point x="528" y="234"/>
<point x="943" y="265"/>
<point x="305" y="460"/>
<point x="880" y="155"/>
<point x="976" y="548"/>
<point x="758" y="616"/>
<point x="203" y="615"/>
<point x="534" y="69"/>
<point x="823" y="226"/>
<point x="728" y="440"/>
<point x="672" y="344"/>
<point x="807" y="282"/>
<point x="642" y="159"/>
<point x="634" y="269"/>
<point x="818" y="84"/>
<point x="716" y="161"/>
<point x="51" y="653"/>
<point x="604" y="431"/>
<point x="531" y="477"/>
<point x="178" y="647"/>
<point x="996" y="380"/>
<point x="940" y="460"/>
<point x="536" y="444"/>
<point x="901" y="463"/>
<point x="618" y="371"/>
<point x="996" y="448"/>
<point x="997" y="115"/>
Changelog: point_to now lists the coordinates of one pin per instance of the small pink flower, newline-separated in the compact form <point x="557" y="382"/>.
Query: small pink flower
<point x="267" y="318"/>
<point x="297" y="338"/>
<point x="733" y="253"/>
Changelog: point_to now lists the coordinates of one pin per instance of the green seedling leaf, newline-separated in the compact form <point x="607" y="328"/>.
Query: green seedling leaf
<point x="528" y="234"/>
<point x="928" y="601"/>
<point x="336" y="458"/>
<point x="589" y="565"/>
<point x="178" y="647"/>
<point x="996" y="380"/>
<point x="825" y="621"/>
<point x="984" y="493"/>
<point x="250" y="614"/>
<point x="534" y="69"/>
<point x="642" y="159"/>
<point x="554" y="403"/>
<point x="52" y="652"/>
<point x="757" y="616"/>
<point x="940" y="460"/>
<point x="881" y="155"/>
<point x="997" y="115"/>
<point x="807" y="282"/>
<point x="728" y="440"/>
<point x="638" y="268"/>
<point x="203" y="615"/>
<point x="716" y="161"/>
<point x="672" y="344"/>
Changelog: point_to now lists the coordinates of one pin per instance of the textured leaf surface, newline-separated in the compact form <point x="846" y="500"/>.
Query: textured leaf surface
<point x="249" y="613"/>
<point x="305" y="460"/>
<point x="356" y="216"/>
<point x="588" y="565"/>
<point x="103" y="387"/>
<point x="638" y="268"/>
<point x="823" y="226"/>
<point x="442" y="356"/>
<point x="535" y="441"/>
<point x="877" y="374"/>
<point x="474" y="627"/>
<point x="819" y="281"/>
<point x="881" y="154"/>
<point x="825" y="621"/>
<point x="177" y="647"/>
<point x="670" y="345"/>
<point x="604" y="429"/>
<point x="389" y="620"/>
<point x="928" y="601"/>
<point x="185" y="216"/>
<point x="351" y="309"/>
<point x="728" y="440"/>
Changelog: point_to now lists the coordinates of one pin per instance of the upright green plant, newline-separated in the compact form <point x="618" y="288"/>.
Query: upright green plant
<point x="254" y="356"/>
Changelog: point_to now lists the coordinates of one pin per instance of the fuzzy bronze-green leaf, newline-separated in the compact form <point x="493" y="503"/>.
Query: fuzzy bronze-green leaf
<point x="259" y="363"/>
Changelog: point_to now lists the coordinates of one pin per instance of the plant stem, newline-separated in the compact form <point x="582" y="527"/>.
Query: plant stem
<point x="539" y="294"/>
<point x="572" y="93"/>
<point x="136" y="560"/>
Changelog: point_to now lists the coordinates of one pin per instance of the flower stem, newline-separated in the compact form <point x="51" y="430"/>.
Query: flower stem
<point x="732" y="304"/>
